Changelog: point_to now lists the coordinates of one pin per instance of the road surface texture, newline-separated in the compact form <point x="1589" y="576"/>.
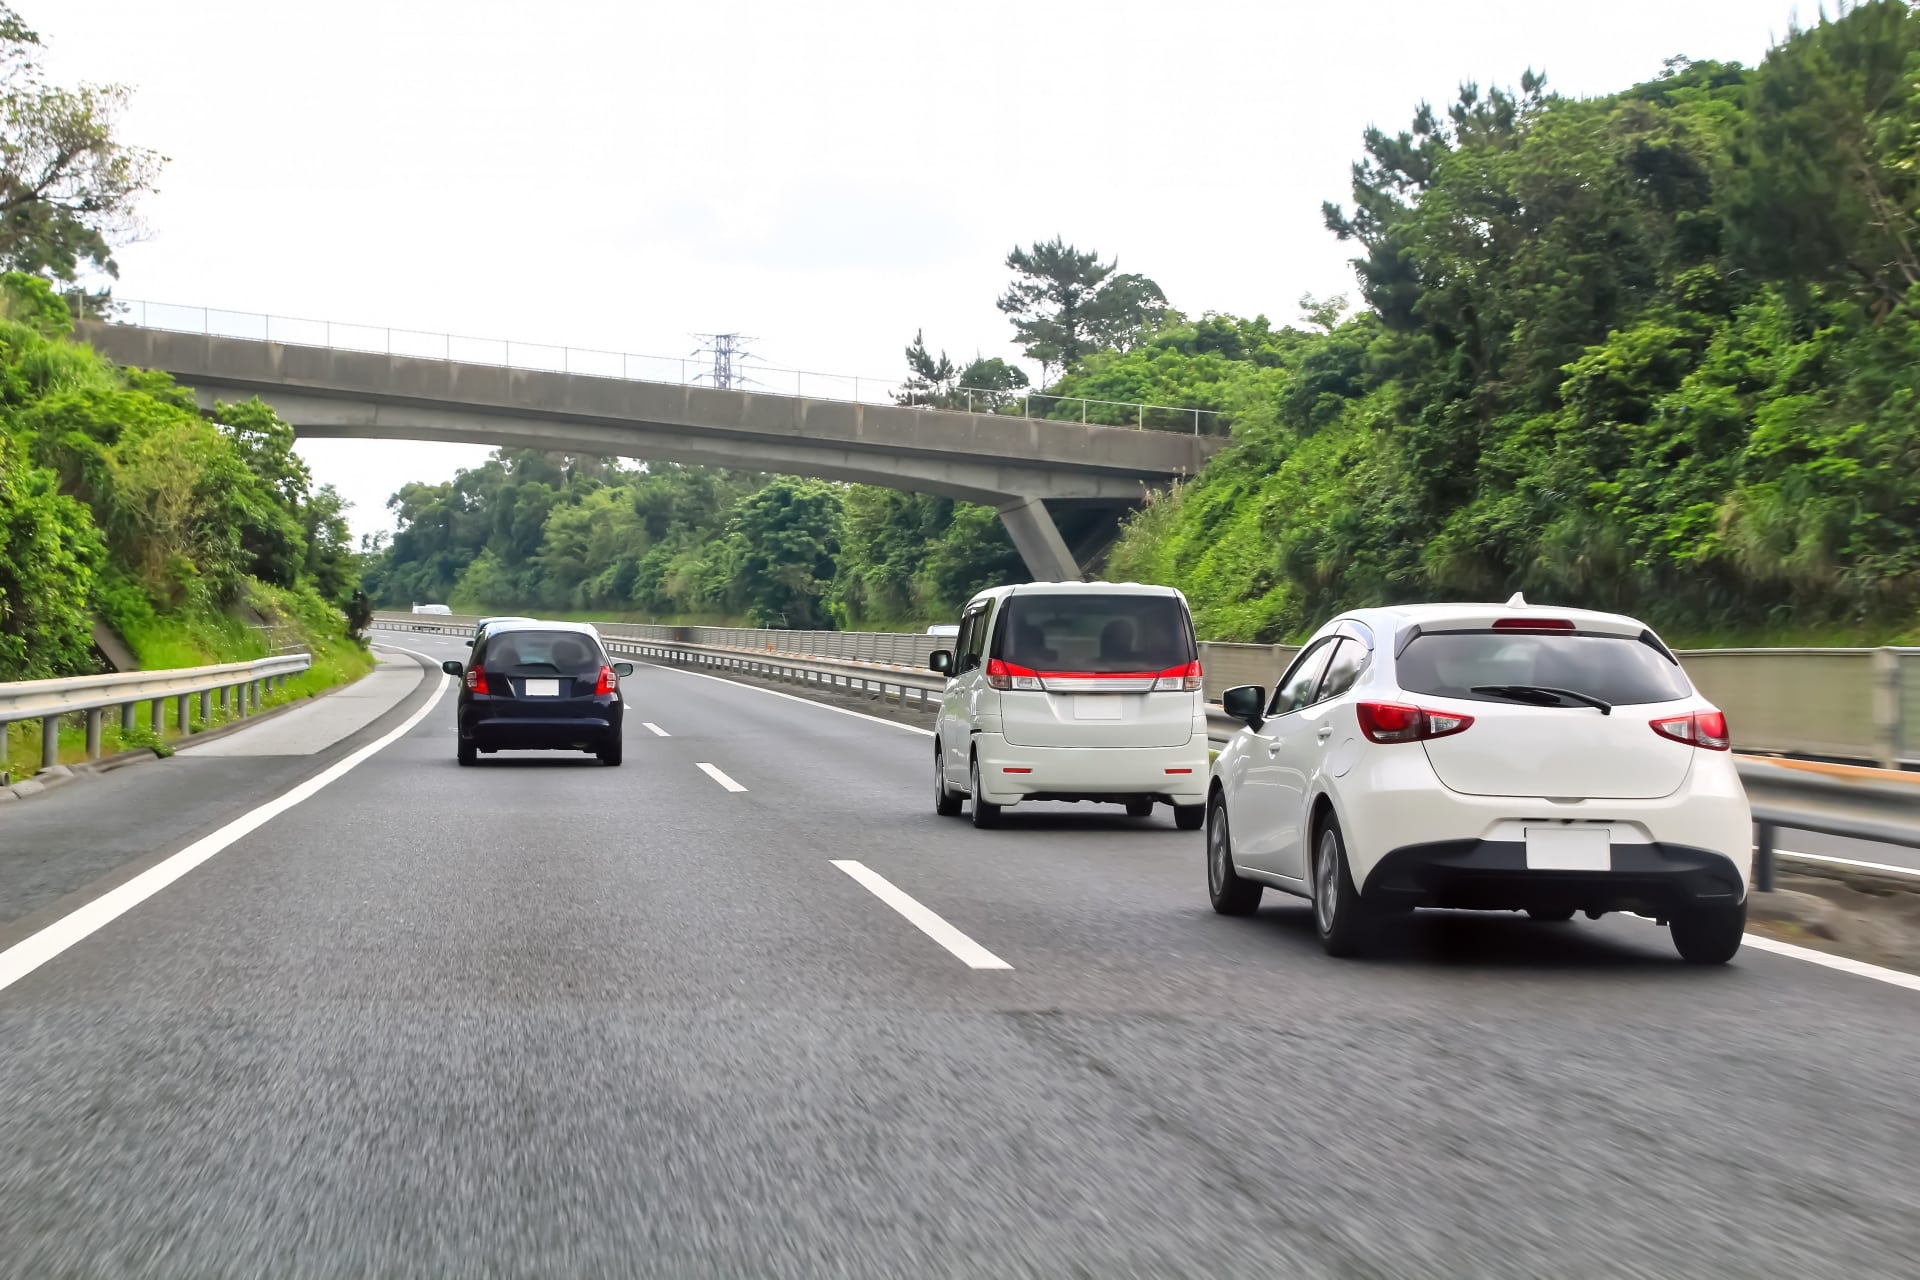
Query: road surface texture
<point x="545" y="1018"/>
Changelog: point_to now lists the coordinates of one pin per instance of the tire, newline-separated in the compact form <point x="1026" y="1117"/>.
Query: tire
<point x="1556" y="916"/>
<point x="1230" y="895"/>
<point x="945" y="802"/>
<point x="465" y="752"/>
<point x="1139" y="808"/>
<point x="1708" y="935"/>
<point x="1189" y="817"/>
<point x="610" y="753"/>
<point x="984" y="814"/>
<point x="1344" y="922"/>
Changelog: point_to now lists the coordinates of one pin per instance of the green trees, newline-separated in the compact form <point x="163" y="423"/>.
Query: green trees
<point x="1066" y="303"/>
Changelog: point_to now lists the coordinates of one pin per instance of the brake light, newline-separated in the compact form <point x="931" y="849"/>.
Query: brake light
<point x="1396" y="722"/>
<point x="1185" y="677"/>
<point x="607" y="684"/>
<point x="1008" y="675"/>
<point x="476" y="680"/>
<point x="1704" y="729"/>
<point x="1532" y="624"/>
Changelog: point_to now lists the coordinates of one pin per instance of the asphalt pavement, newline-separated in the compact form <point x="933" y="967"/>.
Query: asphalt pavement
<point x="714" y="1013"/>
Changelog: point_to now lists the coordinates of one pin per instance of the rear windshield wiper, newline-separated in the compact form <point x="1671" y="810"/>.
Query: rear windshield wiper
<point x="1536" y="692"/>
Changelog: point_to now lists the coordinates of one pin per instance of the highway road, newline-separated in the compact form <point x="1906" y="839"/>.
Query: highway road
<point x="546" y="1018"/>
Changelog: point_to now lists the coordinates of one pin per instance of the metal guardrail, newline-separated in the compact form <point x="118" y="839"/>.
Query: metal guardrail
<point x="680" y="370"/>
<point x="235" y="683"/>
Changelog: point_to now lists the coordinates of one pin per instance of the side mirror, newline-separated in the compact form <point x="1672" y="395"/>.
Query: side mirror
<point x="469" y="642"/>
<point x="1244" y="703"/>
<point x="623" y="669"/>
<point x="452" y="667"/>
<point x="941" y="660"/>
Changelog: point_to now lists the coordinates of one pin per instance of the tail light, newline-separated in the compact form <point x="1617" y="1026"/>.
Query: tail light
<point x="608" y="683"/>
<point x="1396" y="722"/>
<point x="1179" y="678"/>
<point x="1007" y="675"/>
<point x="476" y="680"/>
<point x="1704" y="729"/>
<point x="1533" y="624"/>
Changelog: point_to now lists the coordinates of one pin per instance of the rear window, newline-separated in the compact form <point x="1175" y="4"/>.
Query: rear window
<point x="542" y="653"/>
<point x="1617" y="669"/>
<point x="1094" y="633"/>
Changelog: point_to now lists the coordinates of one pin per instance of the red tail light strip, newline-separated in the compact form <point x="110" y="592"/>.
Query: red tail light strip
<point x="1002" y="674"/>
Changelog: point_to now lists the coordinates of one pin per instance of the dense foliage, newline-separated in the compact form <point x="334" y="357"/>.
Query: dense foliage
<point x="1658" y="351"/>
<point x="120" y="499"/>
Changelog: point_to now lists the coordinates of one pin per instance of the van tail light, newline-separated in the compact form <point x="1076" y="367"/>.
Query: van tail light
<point x="608" y="683"/>
<point x="1182" y="678"/>
<point x="1008" y="675"/>
<point x="1704" y="729"/>
<point x="476" y="680"/>
<point x="1533" y="624"/>
<point x="1397" y="722"/>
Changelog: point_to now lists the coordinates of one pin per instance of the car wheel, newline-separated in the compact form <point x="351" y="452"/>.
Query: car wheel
<point x="1231" y="895"/>
<point x="1343" y="921"/>
<point x="1708" y="935"/>
<point x="1139" y="808"/>
<point x="610" y="753"/>
<point x="984" y="814"/>
<point x="466" y="752"/>
<point x="945" y="802"/>
<point x="1189" y="817"/>
<point x="1555" y="916"/>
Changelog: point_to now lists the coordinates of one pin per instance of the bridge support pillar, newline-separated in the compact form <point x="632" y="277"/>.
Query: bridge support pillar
<point x="1038" y="540"/>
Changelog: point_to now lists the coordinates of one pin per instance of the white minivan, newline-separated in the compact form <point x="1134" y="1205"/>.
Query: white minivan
<point x="1072" y="691"/>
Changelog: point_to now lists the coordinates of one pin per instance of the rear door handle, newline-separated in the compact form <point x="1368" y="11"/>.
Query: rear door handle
<point x="1273" y="748"/>
<point x="1326" y="731"/>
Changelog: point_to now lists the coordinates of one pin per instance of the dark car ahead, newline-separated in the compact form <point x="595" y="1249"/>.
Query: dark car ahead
<point x="539" y="686"/>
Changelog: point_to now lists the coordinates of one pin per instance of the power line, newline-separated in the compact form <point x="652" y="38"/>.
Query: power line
<point x="729" y="355"/>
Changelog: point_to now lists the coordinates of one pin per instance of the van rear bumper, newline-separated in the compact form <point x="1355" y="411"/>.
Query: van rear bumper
<point x="1010" y="774"/>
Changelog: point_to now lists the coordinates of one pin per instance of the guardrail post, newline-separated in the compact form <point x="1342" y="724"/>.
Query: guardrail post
<point x="206" y="708"/>
<point x="128" y="710"/>
<point x="1763" y="857"/>
<point x="180" y="714"/>
<point x="49" y="742"/>
<point x="93" y="733"/>
<point x="1886" y="707"/>
<point x="240" y="701"/>
<point x="157" y="716"/>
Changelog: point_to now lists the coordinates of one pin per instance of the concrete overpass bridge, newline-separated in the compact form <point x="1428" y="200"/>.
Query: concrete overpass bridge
<point x="1060" y="487"/>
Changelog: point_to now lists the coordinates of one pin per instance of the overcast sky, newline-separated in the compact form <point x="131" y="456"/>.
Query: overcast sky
<point x="827" y="177"/>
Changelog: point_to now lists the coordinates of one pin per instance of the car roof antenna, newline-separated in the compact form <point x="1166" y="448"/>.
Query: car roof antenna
<point x="1517" y="602"/>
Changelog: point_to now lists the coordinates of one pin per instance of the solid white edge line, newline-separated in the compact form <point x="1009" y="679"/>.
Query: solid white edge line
<point x="1858" y="968"/>
<point x="1849" y="862"/>
<point x="654" y="729"/>
<point x="23" y="957"/>
<point x="969" y="952"/>
<point x="714" y="772"/>
<point x="824" y="706"/>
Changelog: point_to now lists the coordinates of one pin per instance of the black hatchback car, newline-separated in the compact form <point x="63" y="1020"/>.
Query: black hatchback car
<point x="539" y="686"/>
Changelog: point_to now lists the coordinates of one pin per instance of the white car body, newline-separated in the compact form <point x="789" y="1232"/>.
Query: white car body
<point x="1122" y="724"/>
<point x="1536" y="802"/>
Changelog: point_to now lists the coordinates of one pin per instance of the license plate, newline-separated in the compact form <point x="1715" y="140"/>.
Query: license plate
<point x="540" y="689"/>
<point x="1092" y="706"/>
<point x="1569" y="849"/>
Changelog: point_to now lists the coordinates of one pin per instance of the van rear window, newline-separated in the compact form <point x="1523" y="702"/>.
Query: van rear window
<point x="1094" y="633"/>
<point x="1617" y="669"/>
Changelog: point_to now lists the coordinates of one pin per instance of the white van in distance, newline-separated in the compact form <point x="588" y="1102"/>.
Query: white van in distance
<point x="1072" y="691"/>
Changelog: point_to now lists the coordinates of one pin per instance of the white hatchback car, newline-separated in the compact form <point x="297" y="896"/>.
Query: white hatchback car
<point x="1072" y="691"/>
<point x="1487" y="757"/>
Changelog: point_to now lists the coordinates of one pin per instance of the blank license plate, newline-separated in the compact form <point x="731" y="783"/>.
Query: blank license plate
<point x="1568" y="849"/>
<point x="1091" y="706"/>
<point x="541" y="689"/>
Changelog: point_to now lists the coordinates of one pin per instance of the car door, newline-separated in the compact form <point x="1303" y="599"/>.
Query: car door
<point x="1304" y="746"/>
<point x="959" y="704"/>
<point x="1261" y="807"/>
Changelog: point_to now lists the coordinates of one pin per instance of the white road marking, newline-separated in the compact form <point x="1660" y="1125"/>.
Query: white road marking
<point x="719" y="777"/>
<point x="1892" y="977"/>
<point x="970" y="953"/>
<point x="775" y="693"/>
<point x="1849" y="862"/>
<point x="654" y="729"/>
<point x="23" y="957"/>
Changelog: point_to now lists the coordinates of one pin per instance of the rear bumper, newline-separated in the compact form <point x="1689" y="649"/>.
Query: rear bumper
<point x="585" y="733"/>
<point x="1177" y="775"/>
<point x="1653" y="879"/>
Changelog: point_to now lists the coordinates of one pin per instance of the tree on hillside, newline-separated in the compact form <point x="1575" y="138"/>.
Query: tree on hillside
<point x="984" y="386"/>
<point x="67" y="187"/>
<point x="1066" y="303"/>
<point x="789" y="535"/>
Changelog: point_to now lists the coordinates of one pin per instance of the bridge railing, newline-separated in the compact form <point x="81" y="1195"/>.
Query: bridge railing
<point x="688" y="370"/>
